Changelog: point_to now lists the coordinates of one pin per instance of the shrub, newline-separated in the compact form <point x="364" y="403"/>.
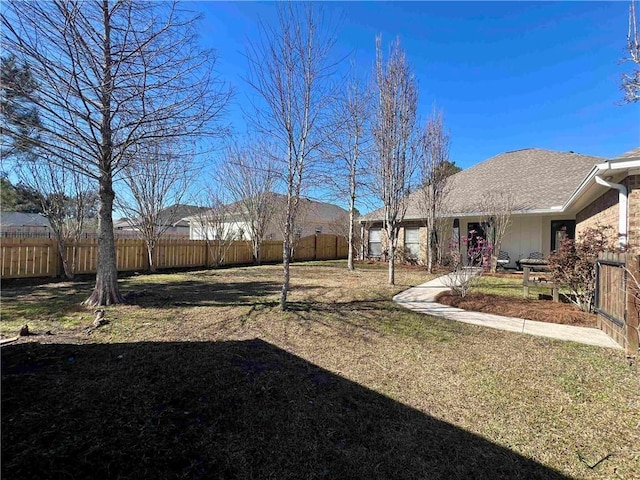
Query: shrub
<point x="404" y="255"/>
<point x="467" y="269"/>
<point x="573" y="265"/>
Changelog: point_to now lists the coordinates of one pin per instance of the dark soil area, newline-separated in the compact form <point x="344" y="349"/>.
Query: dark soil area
<point x="539" y="310"/>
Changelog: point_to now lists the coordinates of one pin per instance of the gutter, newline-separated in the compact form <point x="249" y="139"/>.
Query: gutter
<point x="623" y="207"/>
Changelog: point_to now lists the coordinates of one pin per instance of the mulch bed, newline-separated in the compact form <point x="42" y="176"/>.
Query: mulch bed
<point x="539" y="310"/>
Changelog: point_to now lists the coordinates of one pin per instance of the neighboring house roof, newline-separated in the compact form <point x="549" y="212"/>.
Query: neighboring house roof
<point x="313" y="210"/>
<point x="19" y="219"/>
<point x="176" y="213"/>
<point x="122" y="223"/>
<point x="173" y="215"/>
<point x="540" y="180"/>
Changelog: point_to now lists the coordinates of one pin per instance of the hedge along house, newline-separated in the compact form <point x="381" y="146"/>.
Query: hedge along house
<point x="541" y="185"/>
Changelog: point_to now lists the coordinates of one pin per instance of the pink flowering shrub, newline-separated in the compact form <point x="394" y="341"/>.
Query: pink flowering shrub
<point x="468" y="266"/>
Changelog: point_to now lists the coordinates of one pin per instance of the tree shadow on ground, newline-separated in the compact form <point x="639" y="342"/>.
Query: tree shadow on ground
<point x="220" y="410"/>
<point x="191" y="293"/>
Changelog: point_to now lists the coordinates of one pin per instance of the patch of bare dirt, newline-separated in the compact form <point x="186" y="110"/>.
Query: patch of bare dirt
<point x="539" y="310"/>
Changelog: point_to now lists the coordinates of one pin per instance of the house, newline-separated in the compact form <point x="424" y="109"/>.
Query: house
<point x="313" y="217"/>
<point x="171" y="219"/>
<point x="24" y="224"/>
<point x="610" y="196"/>
<point x="554" y="195"/>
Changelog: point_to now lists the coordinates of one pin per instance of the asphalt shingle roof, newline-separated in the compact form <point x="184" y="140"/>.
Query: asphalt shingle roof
<point x="314" y="210"/>
<point x="635" y="153"/>
<point x="539" y="180"/>
<point x="19" y="219"/>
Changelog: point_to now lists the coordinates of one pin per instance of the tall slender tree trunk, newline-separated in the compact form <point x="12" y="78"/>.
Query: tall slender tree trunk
<point x="106" y="291"/>
<point x="150" y="248"/>
<point x="286" y="251"/>
<point x="430" y="228"/>
<point x="392" y="263"/>
<point x="352" y="213"/>
<point x="350" y="265"/>
<point x="286" y="260"/>
<point x="68" y="272"/>
<point x="256" y="251"/>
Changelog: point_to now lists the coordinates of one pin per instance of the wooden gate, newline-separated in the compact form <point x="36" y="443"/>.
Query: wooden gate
<point x="616" y="298"/>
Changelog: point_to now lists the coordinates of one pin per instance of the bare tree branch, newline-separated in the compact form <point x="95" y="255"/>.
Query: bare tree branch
<point x="397" y="154"/>
<point x="68" y="201"/>
<point x="631" y="82"/>
<point x="112" y="74"/>
<point x="496" y="208"/>
<point x="349" y="147"/>
<point x="249" y="176"/>
<point x="434" y="173"/>
<point x="290" y="71"/>
<point x="155" y="180"/>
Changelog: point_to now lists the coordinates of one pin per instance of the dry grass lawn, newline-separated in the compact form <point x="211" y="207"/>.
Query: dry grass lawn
<point x="201" y="376"/>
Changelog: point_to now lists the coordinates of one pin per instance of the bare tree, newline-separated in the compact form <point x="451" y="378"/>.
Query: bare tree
<point x="290" y="71"/>
<point x="215" y="226"/>
<point x="111" y="74"/>
<point x="496" y="208"/>
<point x="396" y="154"/>
<point x="349" y="146"/>
<point x="68" y="201"/>
<point x="631" y="82"/>
<point x="155" y="179"/>
<point x="434" y="158"/>
<point x="249" y="177"/>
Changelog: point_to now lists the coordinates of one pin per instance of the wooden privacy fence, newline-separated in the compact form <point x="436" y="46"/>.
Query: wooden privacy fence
<point x="38" y="257"/>
<point x="617" y="297"/>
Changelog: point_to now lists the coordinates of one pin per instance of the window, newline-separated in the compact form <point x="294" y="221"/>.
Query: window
<point x="412" y="241"/>
<point x="375" y="245"/>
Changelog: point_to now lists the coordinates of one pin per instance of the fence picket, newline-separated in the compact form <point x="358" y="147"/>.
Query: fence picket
<point x="38" y="257"/>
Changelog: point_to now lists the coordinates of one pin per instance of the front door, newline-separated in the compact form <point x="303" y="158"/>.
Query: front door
<point x="561" y="229"/>
<point x="474" y="230"/>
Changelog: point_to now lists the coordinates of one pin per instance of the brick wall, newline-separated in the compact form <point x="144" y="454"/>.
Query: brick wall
<point x="604" y="211"/>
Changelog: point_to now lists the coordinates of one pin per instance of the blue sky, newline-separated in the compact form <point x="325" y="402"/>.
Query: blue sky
<point x="508" y="75"/>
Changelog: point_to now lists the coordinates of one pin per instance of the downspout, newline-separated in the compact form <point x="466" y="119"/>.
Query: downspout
<point x="622" y="208"/>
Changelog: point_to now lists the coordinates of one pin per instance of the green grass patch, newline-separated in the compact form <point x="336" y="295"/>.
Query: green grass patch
<point x="510" y="285"/>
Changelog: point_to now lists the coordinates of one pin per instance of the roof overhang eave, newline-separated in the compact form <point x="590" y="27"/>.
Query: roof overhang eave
<point x="611" y="165"/>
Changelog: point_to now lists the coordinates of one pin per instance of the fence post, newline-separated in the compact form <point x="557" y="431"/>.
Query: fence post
<point x="632" y="306"/>
<point x="315" y="246"/>
<point x="525" y="281"/>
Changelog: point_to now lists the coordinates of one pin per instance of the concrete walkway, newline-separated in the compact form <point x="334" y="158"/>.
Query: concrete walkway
<point x="422" y="299"/>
